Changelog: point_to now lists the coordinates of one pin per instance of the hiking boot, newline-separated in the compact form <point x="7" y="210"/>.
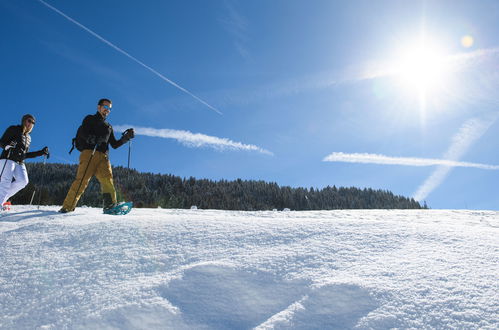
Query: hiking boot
<point x="108" y="202"/>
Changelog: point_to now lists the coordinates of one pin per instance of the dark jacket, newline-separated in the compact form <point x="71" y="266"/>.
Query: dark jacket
<point x="95" y="130"/>
<point x="20" y="152"/>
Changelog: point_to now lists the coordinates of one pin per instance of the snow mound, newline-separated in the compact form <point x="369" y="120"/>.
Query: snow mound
<point x="207" y="269"/>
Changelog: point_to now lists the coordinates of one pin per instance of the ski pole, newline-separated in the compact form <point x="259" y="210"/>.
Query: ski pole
<point x="84" y="173"/>
<point x="32" y="197"/>
<point x="41" y="181"/>
<point x="129" y="151"/>
<point x="5" y="163"/>
<point x="6" y="159"/>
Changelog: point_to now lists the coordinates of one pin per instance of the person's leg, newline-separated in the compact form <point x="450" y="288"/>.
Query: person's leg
<point x="86" y="169"/>
<point x="8" y="167"/>
<point x="21" y="176"/>
<point x="104" y="174"/>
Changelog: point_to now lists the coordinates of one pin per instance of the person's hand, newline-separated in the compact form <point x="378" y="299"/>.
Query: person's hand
<point x="10" y="145"/>
<point x="45" y="152"/>
<point x="128" y="134"/>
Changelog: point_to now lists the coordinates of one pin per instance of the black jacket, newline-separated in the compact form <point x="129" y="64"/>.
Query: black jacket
<point x="95" y="130"/>
<point x="20" y="152"/>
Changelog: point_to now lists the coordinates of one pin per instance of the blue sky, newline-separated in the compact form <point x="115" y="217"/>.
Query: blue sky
<point x="302" y="93"/>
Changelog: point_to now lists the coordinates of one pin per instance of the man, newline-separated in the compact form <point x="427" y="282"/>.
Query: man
<point x="16" y="141"/>
<point x="94" y="137"/>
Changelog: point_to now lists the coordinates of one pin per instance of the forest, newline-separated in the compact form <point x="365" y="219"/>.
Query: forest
<point x="50" y="182"/>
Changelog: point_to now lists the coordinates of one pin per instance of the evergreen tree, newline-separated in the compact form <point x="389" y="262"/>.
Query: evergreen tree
<point x="169" y="191"/>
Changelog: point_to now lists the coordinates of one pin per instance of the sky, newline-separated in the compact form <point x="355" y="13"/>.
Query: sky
<point x="392" y="95"/>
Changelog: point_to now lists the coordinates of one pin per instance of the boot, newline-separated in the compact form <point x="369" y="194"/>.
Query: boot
<point x="108" y="201"/>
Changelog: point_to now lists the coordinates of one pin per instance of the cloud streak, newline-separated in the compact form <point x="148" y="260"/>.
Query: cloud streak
<point x="366" y="158"/>
<point x="194" y="140"/>
<point x="455" y="62"/>
<point x="237" y="26"/>
<point x="471" y="131"/>
<point x="352" y="75"/>
<point x="118" y="49"/>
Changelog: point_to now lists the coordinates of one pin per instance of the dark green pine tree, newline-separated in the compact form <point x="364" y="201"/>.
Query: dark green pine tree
<point x="169" y="191"/>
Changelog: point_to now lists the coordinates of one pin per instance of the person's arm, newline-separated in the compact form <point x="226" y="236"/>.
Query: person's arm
<point x="8" y="137"/>
<point x="127" y="135"/>
<point x="42" y="152"/>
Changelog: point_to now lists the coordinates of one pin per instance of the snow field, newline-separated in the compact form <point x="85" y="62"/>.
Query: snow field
<point x="207" y="269"/>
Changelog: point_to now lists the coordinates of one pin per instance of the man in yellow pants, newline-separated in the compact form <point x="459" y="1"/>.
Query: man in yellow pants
<point x="93" y="139"/>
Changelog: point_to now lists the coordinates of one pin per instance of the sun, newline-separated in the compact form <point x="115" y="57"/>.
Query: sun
<point x="422" y="68"/>
<point x="423" y="72"/>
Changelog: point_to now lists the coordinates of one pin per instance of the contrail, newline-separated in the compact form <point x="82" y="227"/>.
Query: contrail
<point x="107" y="42"/>
<point x="454" y="62"/>
<point x="194" y="140"/>
<point x="351" y="75"/>
<point x="365" y="158"/>
<point x="469" y="133"/>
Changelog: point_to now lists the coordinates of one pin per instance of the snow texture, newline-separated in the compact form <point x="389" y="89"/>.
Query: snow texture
<point x="207" y="269"/>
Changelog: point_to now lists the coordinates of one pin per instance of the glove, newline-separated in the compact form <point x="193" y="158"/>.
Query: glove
<point x="11" y="145"/>
<point x="128" y="134"/>
<point x="45" y="152"/>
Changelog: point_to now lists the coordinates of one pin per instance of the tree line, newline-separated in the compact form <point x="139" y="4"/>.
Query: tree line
<point x="51" y="182"/>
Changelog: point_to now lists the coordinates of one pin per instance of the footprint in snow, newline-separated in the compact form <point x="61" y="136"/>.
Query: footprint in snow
<point x="220" y="297"/>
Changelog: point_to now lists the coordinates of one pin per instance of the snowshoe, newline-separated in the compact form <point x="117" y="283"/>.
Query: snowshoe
<point x="119" y="209"/>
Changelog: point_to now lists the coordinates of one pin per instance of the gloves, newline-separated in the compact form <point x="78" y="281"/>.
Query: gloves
<point x="45" y="152"/>
<point x="11" y="145"/>
<point x="128" y="135"/>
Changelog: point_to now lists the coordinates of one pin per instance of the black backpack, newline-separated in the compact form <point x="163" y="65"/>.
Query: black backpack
<point x="78" y="141"/>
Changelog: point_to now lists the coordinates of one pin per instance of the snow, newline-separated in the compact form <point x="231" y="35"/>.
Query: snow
<point x="208" y="269"/>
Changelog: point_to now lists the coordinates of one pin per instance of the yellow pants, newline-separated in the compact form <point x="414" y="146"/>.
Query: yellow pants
<point x="100" y="167"/>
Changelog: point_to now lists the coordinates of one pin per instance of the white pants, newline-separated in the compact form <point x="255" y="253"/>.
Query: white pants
<point x="11" y="170"/>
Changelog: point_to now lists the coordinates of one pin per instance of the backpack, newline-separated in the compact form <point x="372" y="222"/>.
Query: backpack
<point x="78" y="141"/>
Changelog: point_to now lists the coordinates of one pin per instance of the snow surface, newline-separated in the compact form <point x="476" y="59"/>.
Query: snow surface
<point x="207" y="269"/>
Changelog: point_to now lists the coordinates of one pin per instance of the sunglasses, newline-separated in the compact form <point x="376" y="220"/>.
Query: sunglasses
<point x="31" y="121"/>
<point x="107" y="107"/>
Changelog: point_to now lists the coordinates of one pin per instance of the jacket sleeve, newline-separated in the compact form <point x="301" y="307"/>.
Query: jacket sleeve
<point x="33" y="154"/>
<point x="113" y="142"/>
<point x="7" y="137"/>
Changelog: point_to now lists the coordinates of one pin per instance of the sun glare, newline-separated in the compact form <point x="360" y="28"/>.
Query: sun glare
<point x="423" y="71"/>
<point x="422" y="68"/>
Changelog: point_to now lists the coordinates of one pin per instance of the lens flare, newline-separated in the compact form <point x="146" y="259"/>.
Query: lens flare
<point x="467" y="41"/>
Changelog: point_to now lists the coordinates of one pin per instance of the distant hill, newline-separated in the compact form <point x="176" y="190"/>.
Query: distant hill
<point x="169" y="191"/>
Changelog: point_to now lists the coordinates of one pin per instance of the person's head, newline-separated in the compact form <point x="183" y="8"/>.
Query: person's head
<point x="104" y="107"/>
<point x="28" y="122"/>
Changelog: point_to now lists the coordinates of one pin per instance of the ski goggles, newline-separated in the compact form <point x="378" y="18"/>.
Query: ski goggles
<point x="107" y="107"/>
